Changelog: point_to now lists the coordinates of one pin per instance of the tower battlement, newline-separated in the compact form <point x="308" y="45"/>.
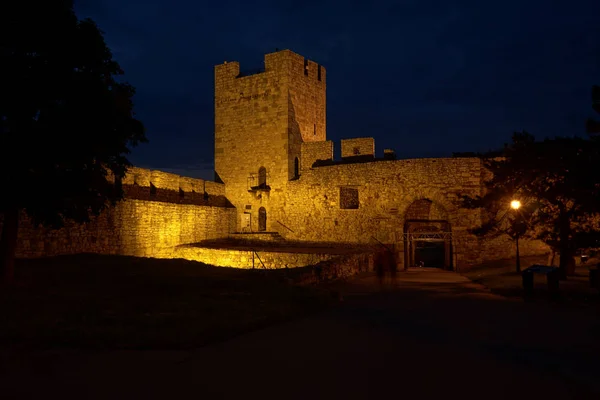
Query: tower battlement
<point x="281" y="63"/>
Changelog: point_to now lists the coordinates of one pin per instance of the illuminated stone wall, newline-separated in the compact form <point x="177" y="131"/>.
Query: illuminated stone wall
<point x="358" y="147"/>
<point x="160" y="212"/>
<point x="246" y="259"/>
<point x="315" y="151"/>
<point x="261" y="120"/>
<point x="386" y="190"/>
<point x="274" y="120"/>
<point x="341" y="267"/>
<point x="270" y="119"/>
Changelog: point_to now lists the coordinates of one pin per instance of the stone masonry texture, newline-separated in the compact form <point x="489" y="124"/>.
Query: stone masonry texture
<point x="275" y="120"/>
<point x="316" y="151"/>
<point x="148" y="223"/>
<point x="358" y="146"/>
<point x="259" y="121"/>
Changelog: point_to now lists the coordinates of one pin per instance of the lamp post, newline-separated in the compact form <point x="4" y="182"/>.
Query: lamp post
<point x="515" y="205"/>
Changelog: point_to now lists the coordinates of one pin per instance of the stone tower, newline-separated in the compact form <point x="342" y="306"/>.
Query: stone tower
<point x="261" y="120"/>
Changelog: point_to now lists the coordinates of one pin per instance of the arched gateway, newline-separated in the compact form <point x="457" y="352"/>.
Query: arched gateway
<point x="427" y="236"/>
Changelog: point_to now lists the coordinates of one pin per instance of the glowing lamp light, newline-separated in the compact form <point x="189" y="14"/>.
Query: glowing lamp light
<point x="515" y="204"/>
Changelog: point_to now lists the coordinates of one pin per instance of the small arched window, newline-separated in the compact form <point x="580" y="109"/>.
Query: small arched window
<point x="262" y="177"/>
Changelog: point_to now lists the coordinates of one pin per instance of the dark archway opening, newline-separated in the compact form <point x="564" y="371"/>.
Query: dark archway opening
<point x="262" y="219"/>
<point x="427" y="236"/>
<point x="430" y="253"/>
<point x="428" y="243"/>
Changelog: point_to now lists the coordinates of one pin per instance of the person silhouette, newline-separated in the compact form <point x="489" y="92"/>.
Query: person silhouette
<point x="392" y="267"/>
<point x="380" y="268"/>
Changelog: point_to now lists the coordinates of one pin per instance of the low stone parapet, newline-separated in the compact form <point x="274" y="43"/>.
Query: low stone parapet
<point x="338" y="268"/>
<point x="249" y="259"/>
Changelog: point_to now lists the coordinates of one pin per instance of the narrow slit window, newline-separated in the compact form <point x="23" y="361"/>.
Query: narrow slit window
<point x="262" y="177"/>
<point x="306" y="67"/>
<point x="296" y="168"/>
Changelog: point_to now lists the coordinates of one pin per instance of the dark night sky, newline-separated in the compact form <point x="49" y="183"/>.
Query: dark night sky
<point x="423" y="77"/>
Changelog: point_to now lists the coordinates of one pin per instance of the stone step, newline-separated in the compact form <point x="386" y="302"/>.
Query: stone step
<point x="277" y="237"/>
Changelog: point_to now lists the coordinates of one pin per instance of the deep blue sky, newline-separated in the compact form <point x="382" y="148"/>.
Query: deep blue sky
<point x="423" y="77"/>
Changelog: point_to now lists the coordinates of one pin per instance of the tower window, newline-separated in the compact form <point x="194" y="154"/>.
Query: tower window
<point x="262" y="177"/>
<point x="315" y="130"/>
<point x="306" y="67"/>
<point x="356" y="151"/>
<point x="262" y="219"/>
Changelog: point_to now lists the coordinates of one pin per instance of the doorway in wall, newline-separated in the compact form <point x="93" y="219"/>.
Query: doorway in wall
<point x="429" y="253"/>
<point x="428" y="244"/>
<point x="427" y="236"/>
<point x="262" y="219"/>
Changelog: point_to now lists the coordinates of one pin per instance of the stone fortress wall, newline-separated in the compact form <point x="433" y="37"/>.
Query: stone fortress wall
<point x="358" y="198"/>
<point x="389" y="193"/>
<point x="160" y="211"/>
<point x="276" y="172"/>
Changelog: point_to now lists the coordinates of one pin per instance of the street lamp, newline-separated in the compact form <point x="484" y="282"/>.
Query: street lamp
<point x="515" y="205"/>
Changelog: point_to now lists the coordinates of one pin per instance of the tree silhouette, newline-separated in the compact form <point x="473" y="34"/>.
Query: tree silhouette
<point x="558" y="182"/>
<point x="502" y="219"/>
<point x="593" y="126"/>
<point x="66" y="122"/>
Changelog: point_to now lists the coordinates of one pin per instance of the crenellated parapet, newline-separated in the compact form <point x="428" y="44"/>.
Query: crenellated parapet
<point x="143" y="177"/>
<point x="282" y="62"/>
<point x="358" y="147"/>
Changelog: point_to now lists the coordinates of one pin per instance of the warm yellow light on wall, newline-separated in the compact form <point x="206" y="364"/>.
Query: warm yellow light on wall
<point x="515" y="204"/>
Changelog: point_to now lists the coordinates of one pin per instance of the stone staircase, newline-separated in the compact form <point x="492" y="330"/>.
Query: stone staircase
<point x="276" y="237"/>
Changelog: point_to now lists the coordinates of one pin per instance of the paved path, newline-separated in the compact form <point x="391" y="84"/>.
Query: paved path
<point x="432" y="334"/>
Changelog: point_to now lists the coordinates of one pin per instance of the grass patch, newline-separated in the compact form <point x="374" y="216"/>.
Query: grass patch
<point x="95" y="301"/>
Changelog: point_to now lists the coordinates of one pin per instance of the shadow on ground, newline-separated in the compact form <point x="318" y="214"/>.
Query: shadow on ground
<point x="428" y="334"/>
<point x="108" y="302"/>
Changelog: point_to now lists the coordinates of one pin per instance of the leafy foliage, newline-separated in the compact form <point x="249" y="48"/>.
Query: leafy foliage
<point x="557" y="181"/>
<point x="66" y="122"/>
<point x="593" y="126"/>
